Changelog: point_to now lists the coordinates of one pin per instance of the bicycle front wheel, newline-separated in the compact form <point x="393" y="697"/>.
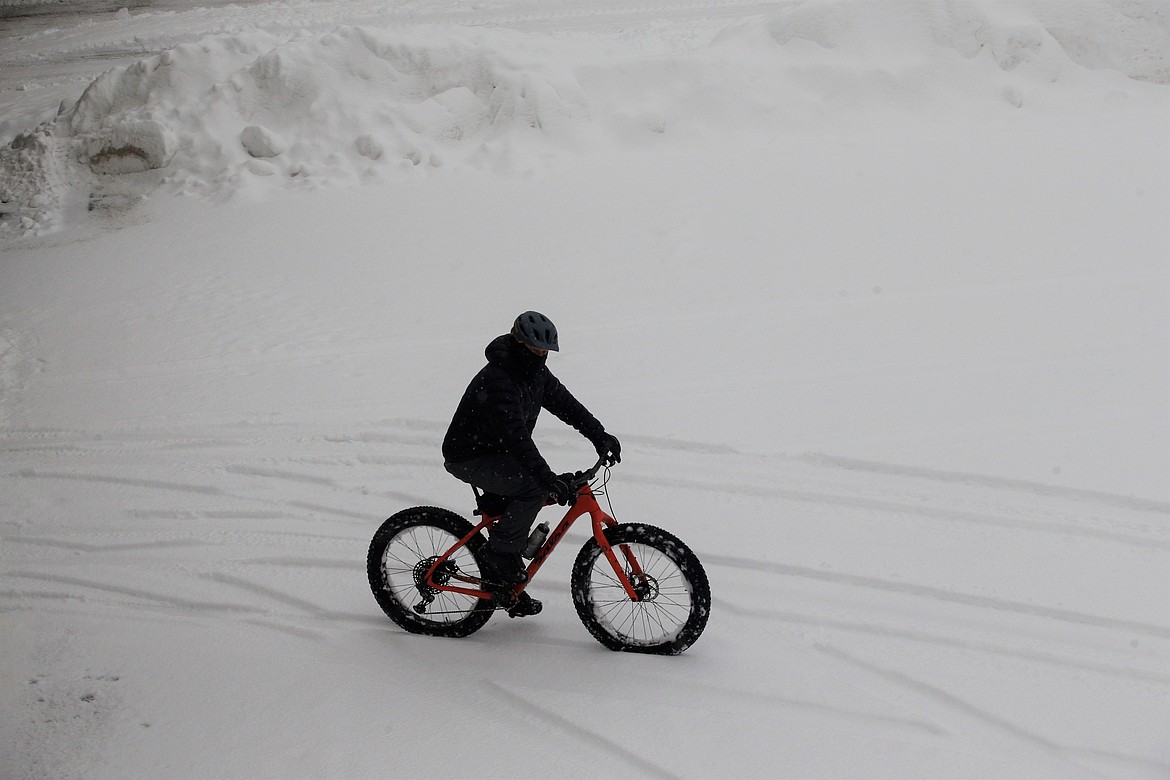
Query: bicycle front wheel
<point x="674" y="597"/>
<point x="402" y="552"/>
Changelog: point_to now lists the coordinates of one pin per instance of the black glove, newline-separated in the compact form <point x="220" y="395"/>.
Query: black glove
<point x="609" y="449"/>
<point x="560" y="490"/>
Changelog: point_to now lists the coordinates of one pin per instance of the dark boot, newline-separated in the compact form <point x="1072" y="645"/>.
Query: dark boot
<point x="500" y="573"/>
<point x="524" y="606"/>
<point x="501" y="570"/>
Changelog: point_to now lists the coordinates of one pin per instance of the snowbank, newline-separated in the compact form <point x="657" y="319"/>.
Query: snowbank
<point x="211" y="117"/>
<point x="252" y="111"/>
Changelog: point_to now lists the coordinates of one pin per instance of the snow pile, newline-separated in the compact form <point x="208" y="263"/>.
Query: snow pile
<point x="1133" y="38"/>
<point x="331" y="107"/>
<point x="840" y="59"/>
<point x="213" y="116"/>
<point x="255" y="110"/>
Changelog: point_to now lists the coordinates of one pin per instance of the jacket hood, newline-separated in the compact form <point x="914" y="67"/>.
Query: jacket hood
<point x="512" y="356"/>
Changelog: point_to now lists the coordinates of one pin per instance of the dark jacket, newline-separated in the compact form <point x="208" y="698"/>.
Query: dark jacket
<point x="498" y="412"/>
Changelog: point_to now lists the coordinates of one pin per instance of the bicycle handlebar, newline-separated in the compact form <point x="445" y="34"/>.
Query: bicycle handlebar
<point x="583" y="478"/>
<point x="579" y="479"/>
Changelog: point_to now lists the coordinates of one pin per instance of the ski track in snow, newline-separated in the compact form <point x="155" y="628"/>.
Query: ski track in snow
<point x="227" y="525"/>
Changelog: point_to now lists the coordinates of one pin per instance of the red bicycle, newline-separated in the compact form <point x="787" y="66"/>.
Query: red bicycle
<point x="636" y="588"/>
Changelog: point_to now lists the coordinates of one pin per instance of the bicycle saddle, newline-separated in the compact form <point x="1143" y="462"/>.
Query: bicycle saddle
<point x="489" y="503"/>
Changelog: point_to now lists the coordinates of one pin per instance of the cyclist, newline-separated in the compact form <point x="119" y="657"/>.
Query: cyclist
<point x="489" y="445"/>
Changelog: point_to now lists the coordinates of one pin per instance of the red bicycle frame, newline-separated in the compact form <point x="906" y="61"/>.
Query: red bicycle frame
<point x="586" y="503"/>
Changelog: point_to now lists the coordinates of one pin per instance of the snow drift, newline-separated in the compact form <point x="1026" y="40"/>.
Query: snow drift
<point x="253" y="111"/>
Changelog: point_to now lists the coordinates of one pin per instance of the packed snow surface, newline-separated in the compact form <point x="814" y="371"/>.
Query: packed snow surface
<point x="875" y="294"/>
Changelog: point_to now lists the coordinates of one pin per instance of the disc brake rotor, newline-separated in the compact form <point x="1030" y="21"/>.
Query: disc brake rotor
<point x="645" y="586"/>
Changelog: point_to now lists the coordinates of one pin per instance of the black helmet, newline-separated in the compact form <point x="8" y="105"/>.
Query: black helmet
<point x="536" y="330"/>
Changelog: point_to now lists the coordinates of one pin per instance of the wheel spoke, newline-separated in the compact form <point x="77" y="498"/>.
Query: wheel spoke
<point x="404" y="550"/>
<point x="408" y="551"/>
<point x="665" y="609"/>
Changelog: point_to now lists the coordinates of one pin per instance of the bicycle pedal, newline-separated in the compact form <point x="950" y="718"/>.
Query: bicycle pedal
<point x="524" y="606"/>
<point x="503" y="599"/>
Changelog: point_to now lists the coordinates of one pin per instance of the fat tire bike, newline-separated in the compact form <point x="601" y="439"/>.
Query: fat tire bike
<point x="636" y="588"/>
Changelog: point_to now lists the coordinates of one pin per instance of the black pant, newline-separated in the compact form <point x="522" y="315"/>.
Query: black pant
<point x="503" y="475"/>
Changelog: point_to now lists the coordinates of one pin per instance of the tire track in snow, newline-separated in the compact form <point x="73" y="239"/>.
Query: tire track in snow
<point x="201" y="607"/>
<point x="278" y="596"/>
<point x="1002" y="483"/>
<point x="313" y="479"/>
<point x="328" y="510"/>
<point x="269" y="539"/>
<point x="163" y="599"/>
<point x="1059" y="753"/>
<point x="591" y="738"/>
<point x="939" y="594"/>
<point x="923" y="637"/>
<point x="309" y="634"/>
<point x="307" y="563"/>
<point x="43" y="449"/>
<point x="304" y="606"/>
<point x="738" y="697"/>
<point x="101" y="548"/>
<point x="207" y="514"/>
<point x="936" y="514"/>
<point x="290" y="476"/>
<point x="211" y="537"/>
<point x="182" y="487"/>
<point x="20" y="595"/>
<point x="408" y="499"/>
<point x="937" y="693"/>
<point x="413" y="437"/>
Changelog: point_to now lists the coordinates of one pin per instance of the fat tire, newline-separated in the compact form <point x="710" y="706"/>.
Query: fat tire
<point x="678" y="612"/>
<point x="411" y="536"/>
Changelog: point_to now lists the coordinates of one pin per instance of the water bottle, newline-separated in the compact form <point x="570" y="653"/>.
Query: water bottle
<point x="535" y="540"/>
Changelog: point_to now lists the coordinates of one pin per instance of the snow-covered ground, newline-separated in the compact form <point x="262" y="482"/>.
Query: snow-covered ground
<point x="876" y="294"/>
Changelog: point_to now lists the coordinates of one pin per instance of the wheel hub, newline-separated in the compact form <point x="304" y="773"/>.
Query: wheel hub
<point x="442" y="574"/>
<point x="645" y="586"/>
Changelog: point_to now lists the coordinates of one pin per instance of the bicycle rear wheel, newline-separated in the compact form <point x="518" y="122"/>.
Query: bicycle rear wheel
<point x="674" y="595"/>
<point x="403" y="551"/>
